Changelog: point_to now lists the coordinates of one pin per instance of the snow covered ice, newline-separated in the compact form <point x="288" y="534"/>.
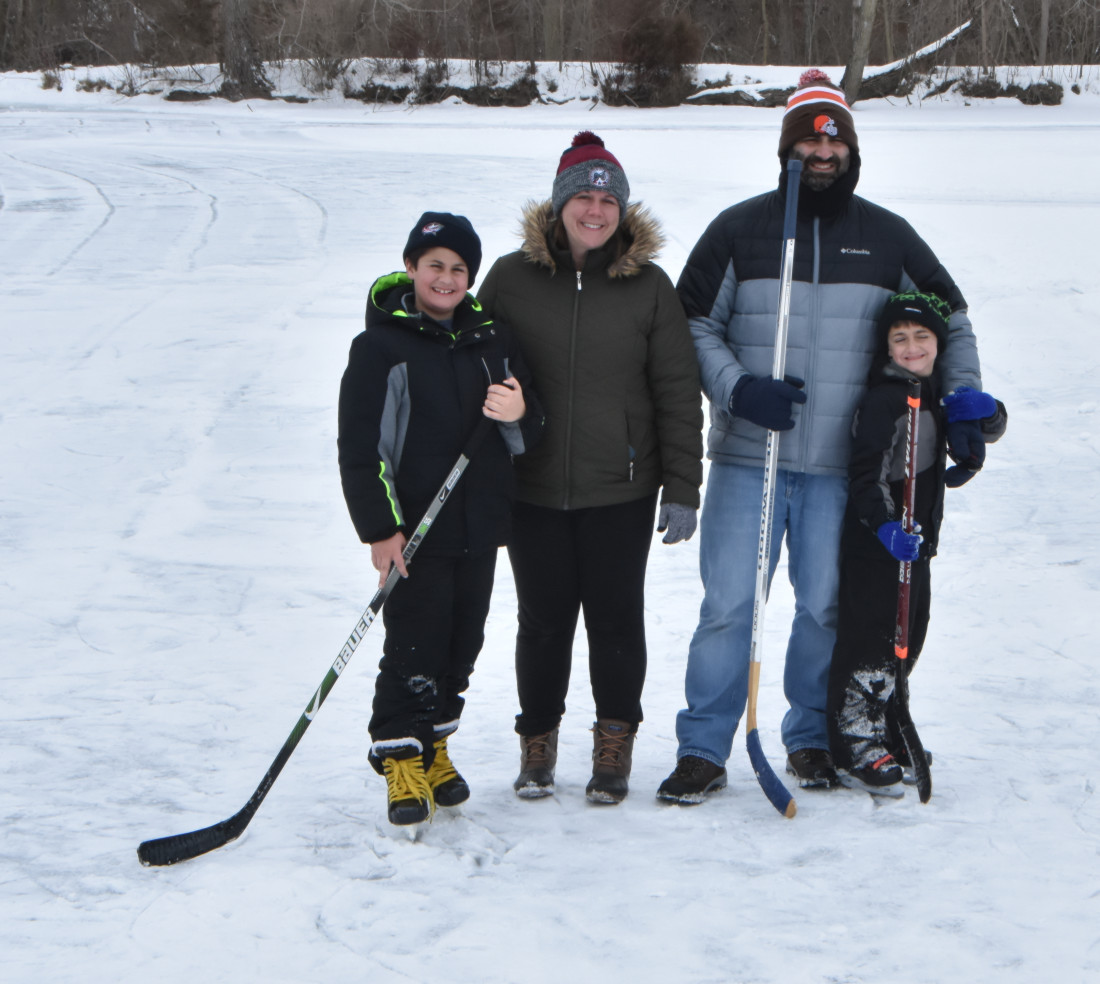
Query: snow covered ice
<point x="180" y="286"/>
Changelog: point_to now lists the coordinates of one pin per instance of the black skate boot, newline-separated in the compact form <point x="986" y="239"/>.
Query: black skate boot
<point x="448" y="787"/>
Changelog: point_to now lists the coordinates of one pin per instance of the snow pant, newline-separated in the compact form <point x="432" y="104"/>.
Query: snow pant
<point x="435" y="627"/>
<point x="809" y="510"/>
<point x="862" y="724"/>
<point x="566" y="561"/>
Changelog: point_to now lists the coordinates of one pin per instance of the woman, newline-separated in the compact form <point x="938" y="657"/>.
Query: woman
<point x="608" y="346"/>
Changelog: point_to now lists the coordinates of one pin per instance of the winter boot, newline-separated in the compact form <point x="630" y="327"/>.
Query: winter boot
<point x="880" y="777"/>
<point x="693" y="779"/>
<point x="410" y="796"/>
<point x="538" y="758"/>
<point x="814" y="769"/>
<point x="613" y="743"/>
<point x="448" y="787"/>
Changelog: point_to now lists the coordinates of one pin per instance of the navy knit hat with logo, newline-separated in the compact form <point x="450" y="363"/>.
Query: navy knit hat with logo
<point x="922" y="308"/>
<point x="816" y="108"/>
<point x="588" y="166"/>
<point x="455" y="232"/>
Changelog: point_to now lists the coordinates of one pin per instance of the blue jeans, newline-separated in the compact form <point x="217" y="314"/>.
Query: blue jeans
<point x="809" y="509"/>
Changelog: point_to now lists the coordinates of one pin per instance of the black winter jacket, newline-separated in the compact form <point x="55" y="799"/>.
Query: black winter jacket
<point x="613" y="361"/>
<point x="410" y="398"/>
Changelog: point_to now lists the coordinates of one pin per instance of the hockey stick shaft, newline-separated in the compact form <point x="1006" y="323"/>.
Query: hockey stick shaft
<point x="776" y="792"/>
<point x="182" y="847"/>
<point x="908" y="730"/>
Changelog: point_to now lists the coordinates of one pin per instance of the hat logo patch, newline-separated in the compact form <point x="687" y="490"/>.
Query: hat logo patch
<point x="599" y="177"/>
<point x="432" y="228"/>
<point x="826" y="125"/>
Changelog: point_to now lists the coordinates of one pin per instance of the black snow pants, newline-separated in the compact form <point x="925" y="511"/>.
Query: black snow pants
<point x="435" y="627"/>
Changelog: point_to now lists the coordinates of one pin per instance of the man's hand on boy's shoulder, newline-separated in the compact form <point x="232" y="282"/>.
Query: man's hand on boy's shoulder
<point x="388" y="553"/>
<point x="504" y="401"/>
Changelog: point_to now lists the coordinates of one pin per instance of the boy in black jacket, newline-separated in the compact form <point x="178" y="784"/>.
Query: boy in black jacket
<point x="428" y="368"/>
<point x="863" y="736"/>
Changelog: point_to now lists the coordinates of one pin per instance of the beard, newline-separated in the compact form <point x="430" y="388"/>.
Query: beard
<point x="819" y="182"/>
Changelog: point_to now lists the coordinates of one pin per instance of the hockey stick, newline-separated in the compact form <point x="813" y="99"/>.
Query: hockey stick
<point x="908" y="730"/>
<point x="182" y="847"/>
<point x="776" y="792"/>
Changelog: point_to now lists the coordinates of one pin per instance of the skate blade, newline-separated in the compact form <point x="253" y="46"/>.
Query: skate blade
<point x="887" y="792"/>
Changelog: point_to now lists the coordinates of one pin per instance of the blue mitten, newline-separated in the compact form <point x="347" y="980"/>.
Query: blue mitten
<point x="767" y="402"/>
<point x="679" y="520"/>
<point x="957" y="475"/>
<point x="966" y="444"/>
<point x="966" y="403"/>
<point x="902" y="546"/>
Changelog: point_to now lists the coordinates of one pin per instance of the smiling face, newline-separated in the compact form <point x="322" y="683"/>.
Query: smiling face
<point x="913" y="347"/>
<point x="440" y="279"/>
<point x="589" y="219"/>
<point x="824" y="159"/>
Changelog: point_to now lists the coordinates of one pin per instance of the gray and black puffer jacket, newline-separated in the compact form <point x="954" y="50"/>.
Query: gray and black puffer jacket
<point x="613" y="362"/>
<point x="849" y="257"/>
<point x="410" y="399"/>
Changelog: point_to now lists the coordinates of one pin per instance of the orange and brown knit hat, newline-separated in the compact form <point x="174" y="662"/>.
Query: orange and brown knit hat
<point x="816" y="107"/>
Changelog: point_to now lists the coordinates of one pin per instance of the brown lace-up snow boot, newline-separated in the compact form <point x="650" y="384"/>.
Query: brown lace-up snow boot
<point x="538" y="758"/>
<point x="611" y="758"/>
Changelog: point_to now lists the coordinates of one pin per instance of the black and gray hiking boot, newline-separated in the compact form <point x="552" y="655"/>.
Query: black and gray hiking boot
<point x="538" y="757"/>
<point x="813" y="767"/>
<point x="613" y="749"/>
<point x="692" y="781"/>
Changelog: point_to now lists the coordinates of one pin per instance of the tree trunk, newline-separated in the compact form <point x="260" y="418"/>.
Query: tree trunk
<point x="863" y="22"/>
<point x="1044" y="31"/>
<point x="241" y="63"/>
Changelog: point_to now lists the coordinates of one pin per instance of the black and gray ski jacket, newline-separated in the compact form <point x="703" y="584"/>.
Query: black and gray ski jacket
<point x="410" y="398"/>
<point x="847" y="262"/>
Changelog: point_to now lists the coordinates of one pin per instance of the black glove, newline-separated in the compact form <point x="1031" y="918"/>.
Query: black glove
<point x="767" y="402"/>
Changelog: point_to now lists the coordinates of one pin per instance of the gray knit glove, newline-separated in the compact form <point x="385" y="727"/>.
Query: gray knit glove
<point x="678" y="520"/>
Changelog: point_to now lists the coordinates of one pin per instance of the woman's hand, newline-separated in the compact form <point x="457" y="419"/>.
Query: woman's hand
<point x="386" y="554"/>
<point x="504" y="401"/>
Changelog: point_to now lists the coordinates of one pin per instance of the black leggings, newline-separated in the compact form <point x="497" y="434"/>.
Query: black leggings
<point x="565" y="561"/>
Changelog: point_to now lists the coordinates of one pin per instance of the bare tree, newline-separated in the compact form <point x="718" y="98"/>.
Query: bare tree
<point x="241" y="62"/>
<point x="863" y="20"/>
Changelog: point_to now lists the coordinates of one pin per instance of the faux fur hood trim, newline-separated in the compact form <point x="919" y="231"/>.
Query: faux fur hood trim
<point x="641" y="227"/>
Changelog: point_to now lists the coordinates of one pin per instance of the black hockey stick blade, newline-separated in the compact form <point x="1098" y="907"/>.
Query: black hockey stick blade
<point x="922" y="771"/>
<point x="182" y="847"/>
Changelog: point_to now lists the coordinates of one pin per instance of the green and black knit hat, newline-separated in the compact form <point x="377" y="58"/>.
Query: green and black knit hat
<point x="923" y="308"/>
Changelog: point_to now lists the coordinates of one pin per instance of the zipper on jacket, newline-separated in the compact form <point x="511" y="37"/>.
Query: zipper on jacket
<point x="812" y="325"/>
<point x="571" y="391"/>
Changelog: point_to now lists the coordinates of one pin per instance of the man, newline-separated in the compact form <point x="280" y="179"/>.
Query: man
<point x="850" y="256"/>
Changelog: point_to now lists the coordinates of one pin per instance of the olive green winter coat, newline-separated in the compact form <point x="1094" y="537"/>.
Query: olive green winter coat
<point x="614" y="365"/>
